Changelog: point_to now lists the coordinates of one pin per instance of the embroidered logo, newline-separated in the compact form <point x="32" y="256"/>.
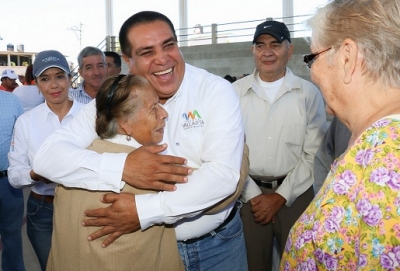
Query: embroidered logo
<point x="192" y="119"/>
<point x="51" y="58"/>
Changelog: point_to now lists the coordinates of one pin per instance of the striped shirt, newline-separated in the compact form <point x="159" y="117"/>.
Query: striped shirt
<point x="80" y="95"/>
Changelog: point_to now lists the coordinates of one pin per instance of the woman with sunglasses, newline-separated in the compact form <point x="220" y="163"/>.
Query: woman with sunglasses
<point x="353" y="223"/>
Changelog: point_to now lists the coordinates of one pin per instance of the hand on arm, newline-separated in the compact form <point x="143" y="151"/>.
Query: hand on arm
<point x="117" y="219"/>
<point x="265" y="207"/>
<point x="145" y="168"/>
<point x="37" y="177"/>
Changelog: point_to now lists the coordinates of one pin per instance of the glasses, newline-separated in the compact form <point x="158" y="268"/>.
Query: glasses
<point x="309" y="59"/>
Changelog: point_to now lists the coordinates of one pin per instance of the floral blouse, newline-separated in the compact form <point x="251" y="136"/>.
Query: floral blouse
<point x="353" y="223"/>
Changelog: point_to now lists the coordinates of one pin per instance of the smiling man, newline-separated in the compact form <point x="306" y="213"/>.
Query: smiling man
<point x="92" y="68"/>
<point x="204" y="126"/>
<point x="284" y="119"/>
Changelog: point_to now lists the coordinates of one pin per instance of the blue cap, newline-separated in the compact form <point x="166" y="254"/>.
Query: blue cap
<point x="49" y="59"/>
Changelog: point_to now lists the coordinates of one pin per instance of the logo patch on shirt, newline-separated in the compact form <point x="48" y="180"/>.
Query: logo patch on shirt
<point x="192" y="119"/>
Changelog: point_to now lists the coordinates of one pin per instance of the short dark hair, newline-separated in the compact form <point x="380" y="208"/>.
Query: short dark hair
<point x="115" y="56"/>
<point x="123" y="103"/>
<point x="142" y="17"/>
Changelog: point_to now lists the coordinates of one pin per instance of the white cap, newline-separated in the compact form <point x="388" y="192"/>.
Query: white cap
<point x="9" y="73"/>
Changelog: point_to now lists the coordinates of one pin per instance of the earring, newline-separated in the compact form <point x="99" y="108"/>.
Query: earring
<point x="128" y="138"/>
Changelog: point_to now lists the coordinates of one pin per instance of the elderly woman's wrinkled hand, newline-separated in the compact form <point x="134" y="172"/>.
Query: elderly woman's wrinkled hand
<point x="117" y="219"/>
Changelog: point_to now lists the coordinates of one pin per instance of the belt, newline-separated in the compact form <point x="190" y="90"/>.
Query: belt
<point x="268" y="182"/>
<point x="46" y="198"/>
<point x="217" y="229"/>
<point x="3" y="173"/>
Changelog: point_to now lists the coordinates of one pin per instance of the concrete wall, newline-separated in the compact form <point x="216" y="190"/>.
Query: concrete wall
<point x="236" y="58"/>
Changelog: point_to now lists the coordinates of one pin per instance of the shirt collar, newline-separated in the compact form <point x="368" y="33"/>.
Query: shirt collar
<point x="48" y="112"/>
<point x="122" y="139"/>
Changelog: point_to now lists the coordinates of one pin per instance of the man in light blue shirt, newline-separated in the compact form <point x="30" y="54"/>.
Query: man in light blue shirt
<point x="92" y="68"/>
<point x="11" y="199"/>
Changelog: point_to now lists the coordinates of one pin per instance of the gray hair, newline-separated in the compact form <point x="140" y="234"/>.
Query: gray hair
<point x="90" y="51"/>
<point x="374" y="25"/>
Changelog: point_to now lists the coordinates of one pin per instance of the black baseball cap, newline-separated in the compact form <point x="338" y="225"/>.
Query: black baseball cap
<point x="276" y="29"/>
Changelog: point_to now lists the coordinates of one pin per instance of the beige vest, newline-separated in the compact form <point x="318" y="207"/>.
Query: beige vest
<point x="152" y="249"/>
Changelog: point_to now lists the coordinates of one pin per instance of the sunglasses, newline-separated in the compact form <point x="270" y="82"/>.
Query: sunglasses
<point x="309" y="59"/>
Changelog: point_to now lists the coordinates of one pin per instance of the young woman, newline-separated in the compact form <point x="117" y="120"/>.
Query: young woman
<point x="52" y="77"/>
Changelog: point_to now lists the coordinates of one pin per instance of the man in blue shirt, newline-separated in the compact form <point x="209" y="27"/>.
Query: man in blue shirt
<point x="11" y="199"/>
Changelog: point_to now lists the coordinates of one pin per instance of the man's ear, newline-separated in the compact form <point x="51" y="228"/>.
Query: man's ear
<point x="349" y="54"/>
<point x="126" y="59"/>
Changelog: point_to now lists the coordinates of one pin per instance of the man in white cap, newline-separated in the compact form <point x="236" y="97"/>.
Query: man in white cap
<point x="8" y="80"/>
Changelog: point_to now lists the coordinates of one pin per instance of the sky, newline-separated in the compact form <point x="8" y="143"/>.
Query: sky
<point x="70" y="25"/>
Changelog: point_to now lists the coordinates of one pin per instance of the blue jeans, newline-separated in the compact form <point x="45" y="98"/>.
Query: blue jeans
<point x="11" y="214"/>
<point x="226" y="250"/>
<point x="39" y="216"/>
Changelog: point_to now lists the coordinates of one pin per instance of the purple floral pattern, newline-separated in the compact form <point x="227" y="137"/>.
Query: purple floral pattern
<point x="354" y="221"/>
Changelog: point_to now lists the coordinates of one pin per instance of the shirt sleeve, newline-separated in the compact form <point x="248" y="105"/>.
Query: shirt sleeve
<point x="301" y="177"/>
<point x="250" y="190"/>
<point x="19" y="164"/>
<point x="63" y="159"/>
<point x="221" y="150"/>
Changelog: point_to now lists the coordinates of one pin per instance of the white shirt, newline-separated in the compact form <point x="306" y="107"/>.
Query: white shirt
<point x="283" y="136"/>
<point x="30" y="130"/>
<point x="204" y="126"/>
<point x="269" y="88"/>
<point x="29" y="95"/>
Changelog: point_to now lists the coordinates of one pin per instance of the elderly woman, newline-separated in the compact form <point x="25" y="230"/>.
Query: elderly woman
<point x="354" y="221"/>
<point x="128" y="116"/>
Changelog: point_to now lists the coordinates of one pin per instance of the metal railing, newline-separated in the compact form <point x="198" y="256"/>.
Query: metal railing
<point x="236" y="31"/>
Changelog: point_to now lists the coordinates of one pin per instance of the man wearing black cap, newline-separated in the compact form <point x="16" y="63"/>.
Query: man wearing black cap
<point x="284" y="120"/>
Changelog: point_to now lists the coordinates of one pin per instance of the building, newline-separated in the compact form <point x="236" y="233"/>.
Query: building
<point x="16" y="60"/>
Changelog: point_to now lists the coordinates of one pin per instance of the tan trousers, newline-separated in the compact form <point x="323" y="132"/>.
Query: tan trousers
<point x="260" y="239"/>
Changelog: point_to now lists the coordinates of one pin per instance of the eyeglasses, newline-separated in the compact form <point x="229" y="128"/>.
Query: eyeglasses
<point x="309" y="59"/>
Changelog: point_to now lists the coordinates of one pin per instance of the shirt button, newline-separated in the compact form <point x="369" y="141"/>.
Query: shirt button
<point x="269" y="137"/>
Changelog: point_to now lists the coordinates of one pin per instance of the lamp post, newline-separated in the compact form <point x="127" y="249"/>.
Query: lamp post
<point x="76" y="29"/>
